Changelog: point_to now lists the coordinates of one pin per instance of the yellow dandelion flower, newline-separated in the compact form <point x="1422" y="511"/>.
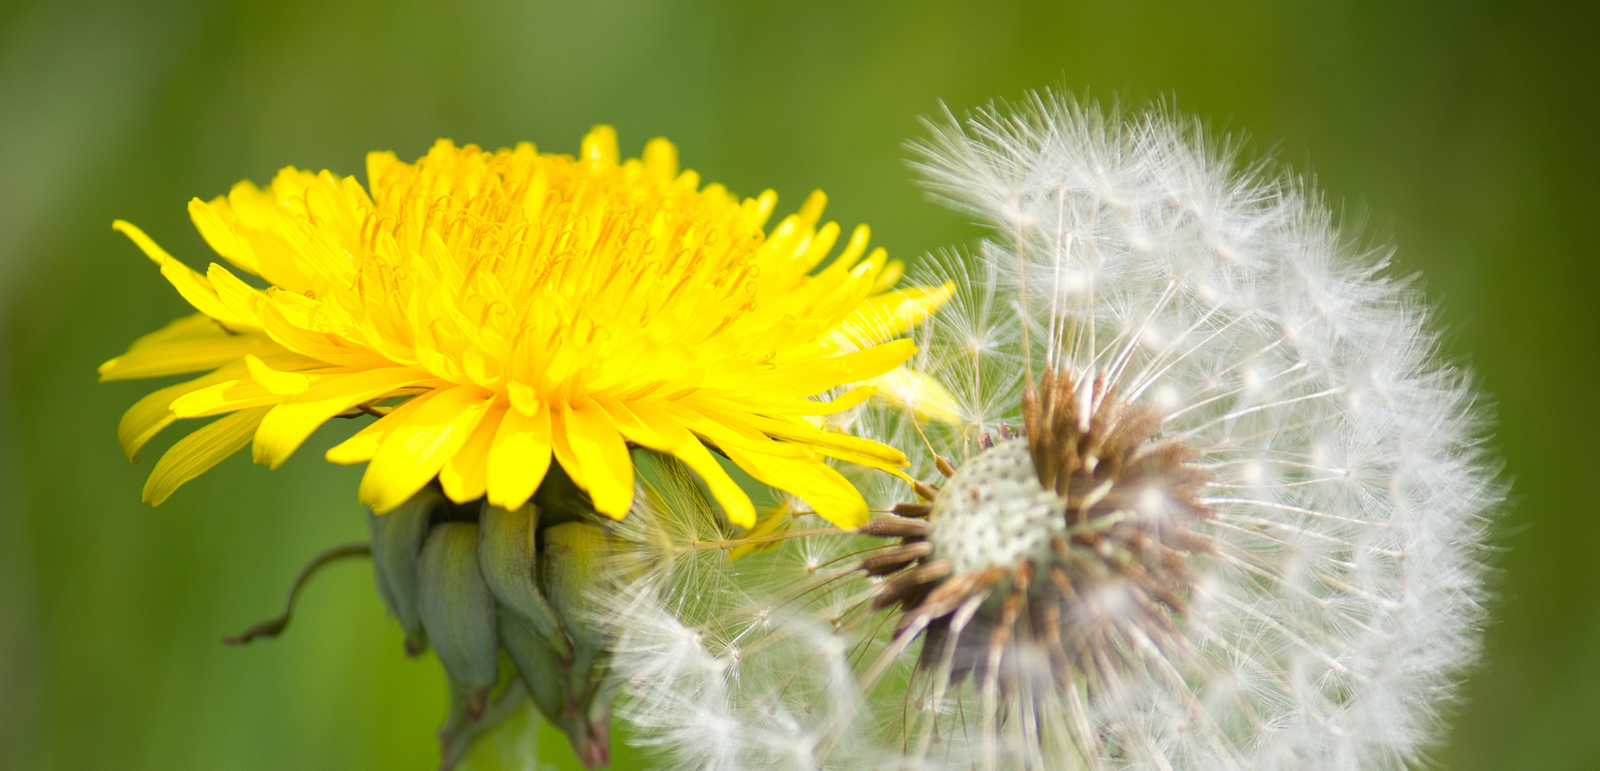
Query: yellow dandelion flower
<point x="502" y="311"/>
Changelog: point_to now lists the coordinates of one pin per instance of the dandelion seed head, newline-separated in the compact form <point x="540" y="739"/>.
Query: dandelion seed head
<point x="1215" y="504"/>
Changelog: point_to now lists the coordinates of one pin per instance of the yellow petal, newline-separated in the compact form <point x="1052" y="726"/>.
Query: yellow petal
<point x="603" y="457"/>
<point x="519" y="457"/>
<point x="290" y="423"/>
<point x="791" y="405"/>
<point x="193" y="355"/>
<point x="280" y="382"/>
<point x="658" y="433"/>
<point x="649" y="426"/>
<point x="148" y="416"/>
<point x="251" y="204"/>
<point x="465" y="477"/>
<point x="417" y="448"/>
<point x="212" y="220"/>
<point x="892" y="314"/>
<point x="196" y="453"/>
<point x="828" y="492"/>
<point x="239" y="298"/>
<point x="379" y="164"/>
<point x="599" y="146"/>
<point x="317" y="345"/>
<point x="923" y="395"/>
<point x="561" y="446"/>
<point x="726" y="428"/>
<point x="735" y="503"/>
<point x="188" y="344"/>
<point x="365" y="443"/>
<point x="889" y="277"/>
<point x="182" y="328"/>
<point x="278" y="260"/>
<point x="831" y="443"/>
<point x="811" y="210"/>
<point x="816" y="376"/>
<point x="764" y="204"/>
<point x="226" y="396"/>
<point x="194" y="287"/>
<point x="776" y="520"/>
<point x="661" y="158"/>
<point x="656" y="428"/>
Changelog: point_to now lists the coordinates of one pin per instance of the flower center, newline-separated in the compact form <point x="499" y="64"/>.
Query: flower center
<point x="1091" y="489"/>
<point x="1079" y="530"/>
<point x="1129" y="495"/>
<point x="994" y="513"/>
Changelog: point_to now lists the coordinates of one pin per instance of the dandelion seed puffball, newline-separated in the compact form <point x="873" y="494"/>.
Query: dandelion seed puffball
<point x="1295" y="585"/>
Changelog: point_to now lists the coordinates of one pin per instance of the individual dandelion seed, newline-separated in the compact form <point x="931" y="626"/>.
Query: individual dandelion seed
<point x="1212" y="502"/>
<point x="519" y="324"/>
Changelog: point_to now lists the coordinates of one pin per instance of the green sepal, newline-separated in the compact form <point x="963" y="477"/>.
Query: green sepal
<point x="576" y="556"/>
<point x="397" y="539"/>
<point x="506" y="554"/>
<point x="458" y="611"/>
<point x="541" y="669"/>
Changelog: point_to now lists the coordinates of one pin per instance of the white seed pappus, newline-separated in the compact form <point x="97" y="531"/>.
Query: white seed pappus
<point x="1323" y="589"/>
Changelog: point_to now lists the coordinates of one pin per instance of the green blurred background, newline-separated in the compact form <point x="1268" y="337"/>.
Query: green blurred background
<point x="1465" y="131"/>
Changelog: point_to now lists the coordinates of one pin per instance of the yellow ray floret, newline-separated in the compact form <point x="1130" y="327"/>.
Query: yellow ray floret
<point x="504" y="311"/>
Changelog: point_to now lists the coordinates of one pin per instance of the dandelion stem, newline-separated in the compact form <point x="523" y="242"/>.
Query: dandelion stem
<point x="275" y="626"/>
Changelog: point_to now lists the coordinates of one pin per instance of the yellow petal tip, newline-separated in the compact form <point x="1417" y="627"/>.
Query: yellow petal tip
<point x="599" y="146"/>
